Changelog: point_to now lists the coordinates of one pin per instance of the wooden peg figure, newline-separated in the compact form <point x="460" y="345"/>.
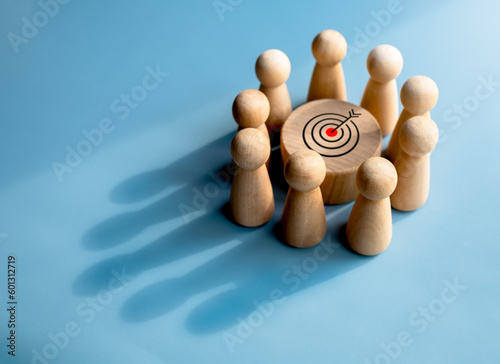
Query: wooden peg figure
<point x="303" y="220"/>
<point x="417" y="137"/>
<point x="251" y="199"/>
<point x="251" y="110"/>
<point x="327" y="82"/>
<point x="273" y="69"/>
<point x="369" y="228"/>
<point x="380" y="98"/>
<point x="418" y="95"/>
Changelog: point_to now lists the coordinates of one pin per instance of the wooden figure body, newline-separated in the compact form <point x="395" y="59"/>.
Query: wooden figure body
<point x="380" y="98"/>
<point x="418" y="95"/>
<point x="327" y="82"/>
<point x="251" y="199"/>
<point x="273" y="69"/>
<point x="251" y="110"/>
<point x="303" y="220"/>
<point x="369" y="228"/>
<point x="417" y="137"/>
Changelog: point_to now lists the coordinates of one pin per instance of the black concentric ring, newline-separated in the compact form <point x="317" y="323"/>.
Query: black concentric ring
<point x="348" y="131"/>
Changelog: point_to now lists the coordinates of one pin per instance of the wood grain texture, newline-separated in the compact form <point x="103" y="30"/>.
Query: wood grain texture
<point x="262" y="128"/>
<point x="250" y="110"/>
<point x="418" y="136"/>
<point x="251" y="199"/>
<point x="342" y="162"/>
<point x="393" y="148"/>
<point x="413" y="182"/>
<point x="380" y="98"/>
<point x="281" y="105"/>
<point x="369" y="228"/>
<point x="329" y="48"/>
<point x="327" y="82"/>
<point x="303" y="220"/>
<point x="273" y="69"/>
<point x="418" y="95"/>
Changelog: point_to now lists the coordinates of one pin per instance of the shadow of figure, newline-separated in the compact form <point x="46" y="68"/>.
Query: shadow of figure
<point x="211" y="230"/>
<point x="192" y="199"/>
<point x="255" y="268"/>
<point x="202" y="230"/>
<point x="196" y="197"/>
<point x="188" y="168"/>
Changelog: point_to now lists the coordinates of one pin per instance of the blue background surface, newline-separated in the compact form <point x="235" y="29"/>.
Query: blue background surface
<point x="194" y="284"/>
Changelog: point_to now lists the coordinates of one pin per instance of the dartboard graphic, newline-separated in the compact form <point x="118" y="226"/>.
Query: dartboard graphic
<point x="344" y="134"/>
<point x="332" y="134"/>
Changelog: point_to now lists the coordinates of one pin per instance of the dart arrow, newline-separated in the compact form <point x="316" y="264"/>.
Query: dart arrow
<point x="352" y="115"/>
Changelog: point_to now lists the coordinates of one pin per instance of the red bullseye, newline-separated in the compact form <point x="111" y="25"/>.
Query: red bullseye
<point x="331" y="132"/>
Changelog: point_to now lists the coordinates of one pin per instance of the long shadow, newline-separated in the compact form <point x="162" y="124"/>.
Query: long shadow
<point x="203" y="230"/>
<point x="202" y="233"/>
<point x="209" y="180"/>
<point x="187" y="202"/>
<point x="255" y="268"/>
<point x="200" y="195"/>
<point x="259" y="264"/>
<point x="188" y="168"/>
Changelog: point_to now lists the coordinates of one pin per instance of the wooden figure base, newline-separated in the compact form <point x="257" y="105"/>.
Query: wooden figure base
<point x="344" y="134"/>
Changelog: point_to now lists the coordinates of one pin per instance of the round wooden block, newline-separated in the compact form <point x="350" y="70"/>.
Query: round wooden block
<point x="344" y="134"/>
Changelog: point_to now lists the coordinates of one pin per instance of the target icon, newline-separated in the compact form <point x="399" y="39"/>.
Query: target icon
<point x="344" y="134"/>
<point x="332" y="134"/>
